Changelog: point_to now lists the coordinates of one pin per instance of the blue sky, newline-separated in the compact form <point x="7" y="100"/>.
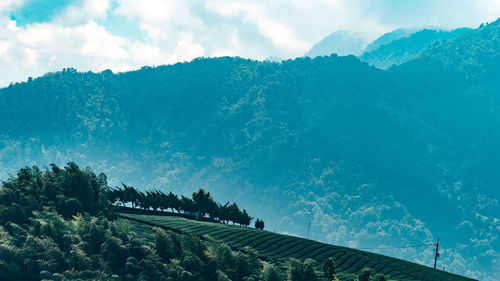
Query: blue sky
<point x="38" y="36"/>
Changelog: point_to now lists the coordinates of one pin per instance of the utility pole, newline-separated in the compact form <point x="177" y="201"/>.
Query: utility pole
<point x="308" y="228"/>
<point x="436" y="255"/>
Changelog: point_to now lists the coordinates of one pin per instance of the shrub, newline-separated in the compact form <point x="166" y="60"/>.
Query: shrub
<point x="309" y="273"/>
<point x="295" y="270"/>
<point x="329" y="268"/>
<point x="259" y="224"/>
<point x="378" y="277"/>
<point x="365" y="274"/>
<point x="271" y="273"/>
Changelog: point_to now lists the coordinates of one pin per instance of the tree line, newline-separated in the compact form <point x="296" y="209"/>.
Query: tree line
<point x="201" y="204"/>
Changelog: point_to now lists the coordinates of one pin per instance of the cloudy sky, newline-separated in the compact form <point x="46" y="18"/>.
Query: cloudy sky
<point x="38" y="36"/>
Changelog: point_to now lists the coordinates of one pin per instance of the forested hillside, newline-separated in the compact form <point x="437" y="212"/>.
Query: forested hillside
<point x="408" y="47"/>
<point x="61" y="224"/>
<point x="58" y="224"/>
<point x="371" y="158"/>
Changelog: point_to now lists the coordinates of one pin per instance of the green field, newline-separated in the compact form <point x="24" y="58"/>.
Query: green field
<point x="278" y="248"/>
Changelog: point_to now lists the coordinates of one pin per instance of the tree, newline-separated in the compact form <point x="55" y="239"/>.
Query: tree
<point x="173" y="202"/>
<point x="329" y="268"/>
<point x="163" y="245"/>
<point x="295" y="270"/>
<point x="114" y="252"/>
<point x="130" y="194"/>
<point x="245" y="218"/>
<point x="187" y="205"/>
<point x="309" y="273"/>
<point x="271" y="273"/>
<point x="259" y="224"/>
<point x="234" y="213"/>
<point x="79" y="184"/>
<point x="204" y="202"/>
<point x="69" y="207"/>
<point x="365" y="274"/>
<point x="224" y="212"/>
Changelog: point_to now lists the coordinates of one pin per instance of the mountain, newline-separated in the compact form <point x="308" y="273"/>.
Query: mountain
<point x="388" y="37"/>
<point x="341" y="43"/>
<point x="371" y="158"/>
<point x="387" y="50"/>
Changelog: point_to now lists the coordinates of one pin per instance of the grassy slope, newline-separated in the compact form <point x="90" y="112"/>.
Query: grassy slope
<point x="278" y="248"/>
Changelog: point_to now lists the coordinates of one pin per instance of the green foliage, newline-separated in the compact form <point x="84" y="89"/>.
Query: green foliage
<point x="309" y="273"/>
<point x="259" y="224"/>
<point x="165" y="247"/>
<point x="295" y="271"/>
<point x="329" y="268"/>
<point x="271" y="273"/>
<point x="69" y="207"/>
<point x="408" y="47"/>
<point x="200" y="205"/>
<point x="52" y="227"/>
<point x="365" y="274"/>
<point x="378" y="277"/>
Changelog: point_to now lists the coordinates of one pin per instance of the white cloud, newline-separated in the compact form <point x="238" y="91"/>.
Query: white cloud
<point x="279" y="33"/>
<point x="182" y="30"/>
<point x="86" y="11"/>
<point x="40" y="48"/>
<point x="101" y="44"/>
<point x="186" y="49"/>
<point x="6" y="5"/>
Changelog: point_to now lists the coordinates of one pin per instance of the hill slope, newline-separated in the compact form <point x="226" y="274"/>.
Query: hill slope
<point x="279" y="248"/>
<point x="404" y="49"/>
<point x="389" y="37"/>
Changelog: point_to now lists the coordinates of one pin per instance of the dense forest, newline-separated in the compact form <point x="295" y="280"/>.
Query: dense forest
<point x="355" y="150"/>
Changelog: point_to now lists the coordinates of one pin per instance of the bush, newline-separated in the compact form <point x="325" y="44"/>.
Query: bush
<point x="259" y="224"/>
<point x="163" y="245"/>
<point x="295" y="270"/>
<point x="69" y="207"/>
<point x="309" y="273"/>
<point x="329" y="268"/>
<point x="271" y="273"/>
<point x="378" y="277"/>
<point x="365" y="274"/>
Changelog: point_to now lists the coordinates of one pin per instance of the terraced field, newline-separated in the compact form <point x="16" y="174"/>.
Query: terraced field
<point x="278" y="248"/>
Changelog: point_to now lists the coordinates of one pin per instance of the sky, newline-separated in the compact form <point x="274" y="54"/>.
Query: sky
<point x="40" y="36"/>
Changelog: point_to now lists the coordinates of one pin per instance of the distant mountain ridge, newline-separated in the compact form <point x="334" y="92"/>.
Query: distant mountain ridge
<point x="369" y="157"/>
<point x="404" y="49"/>
<point x="341" y="43"/>
<point x="392" y="48"/>
<point x="389" y="37"/>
